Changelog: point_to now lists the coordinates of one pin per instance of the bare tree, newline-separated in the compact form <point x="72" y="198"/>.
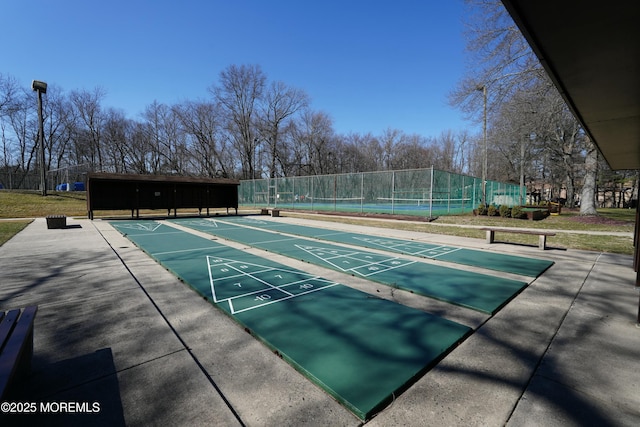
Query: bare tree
<point x="88" y="112"/>
<point x="506" y="66"/>
<point x="367" y="153"/>
<point x="314" y="132"/>
<point x="451" y="146"/>
<point x="389" y="140"/>
<point x="281" y="102"/>
<point x="117" y="136"/>
<point x="501" y="59"/>
<point x="241" y="88"/>
<point x="9" y="90"/>
<point x="23" y="124"/>
<point x="202" y="123"/>
<point x="413" y="153"/>
<point x="58" y="133"/>
<point x="163" y="138"/>
<point x="138" y="153"/>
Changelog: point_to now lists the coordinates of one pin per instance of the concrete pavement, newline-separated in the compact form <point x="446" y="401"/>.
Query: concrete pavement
<point x="115" y="328"/>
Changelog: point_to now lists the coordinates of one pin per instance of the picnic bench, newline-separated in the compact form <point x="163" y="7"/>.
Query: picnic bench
<point x="16" y="346"/>
<point x="542" y="243"/>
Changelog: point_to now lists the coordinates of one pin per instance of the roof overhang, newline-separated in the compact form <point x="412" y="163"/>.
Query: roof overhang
<point x="591" y="52"/>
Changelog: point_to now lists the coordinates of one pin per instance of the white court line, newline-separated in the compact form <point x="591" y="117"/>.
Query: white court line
<point x="184" y="250"/>
<point x="201" y="222"/>
<point x="227" y="263"/>
<point x="233" y="311"/>
<point x="147" y="234"/>
<point x="274" y="241"/>
<point x="261" y="281"/>
<point x="337" y="233"/>
<point x="242" y="274"/>
<point x="250" y="221"/>
<point x="139" y="226"/>
<point x="446" y="253"/>
<point x="213" y="290"/>
<point x="366" y="264"/>
<point x="388" y="244"/>
<point x="387" y="269"/>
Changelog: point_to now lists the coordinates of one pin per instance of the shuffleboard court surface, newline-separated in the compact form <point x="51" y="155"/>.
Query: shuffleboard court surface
<point x="360" y="349"/>
<point x="479" y="292"/>
<point x="525" y="266"/>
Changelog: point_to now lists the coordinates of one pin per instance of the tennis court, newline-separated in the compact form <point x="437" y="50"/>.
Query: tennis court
<point x="360" y="349"/>
<point x="481" y="292"/>
<point x="419" y="192"/>
<point x="532" y="267"/>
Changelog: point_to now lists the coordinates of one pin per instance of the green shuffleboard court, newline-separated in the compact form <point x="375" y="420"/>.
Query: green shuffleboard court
<point x="480" y="292"/>
<point x="532" y="267"/>
<point x="360" y="349"/>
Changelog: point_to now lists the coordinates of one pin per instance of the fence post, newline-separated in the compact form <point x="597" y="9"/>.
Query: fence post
<point x="449" y="192"/>
<point x="393" y="191"/>
<point x="361" y="192"/>
<point x="431" y="195"/>
<point x="462" y="193"/>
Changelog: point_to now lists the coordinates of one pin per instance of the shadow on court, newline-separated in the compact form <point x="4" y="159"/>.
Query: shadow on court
<point x="360" y="349"/>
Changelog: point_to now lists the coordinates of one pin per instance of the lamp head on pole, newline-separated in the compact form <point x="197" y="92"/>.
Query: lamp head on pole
<point x="39" y="86"/>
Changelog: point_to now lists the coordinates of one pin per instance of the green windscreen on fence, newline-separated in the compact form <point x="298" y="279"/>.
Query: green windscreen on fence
<point x="418" y="192"/>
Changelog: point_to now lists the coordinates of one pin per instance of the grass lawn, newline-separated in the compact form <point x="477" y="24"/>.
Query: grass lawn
<point x="31" y="204"/>
<point x="610" y="220"/>
<point x="8" y="229"/>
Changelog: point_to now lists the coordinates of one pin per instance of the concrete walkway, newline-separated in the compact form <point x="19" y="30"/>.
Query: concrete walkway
<point x="116" y="329"/>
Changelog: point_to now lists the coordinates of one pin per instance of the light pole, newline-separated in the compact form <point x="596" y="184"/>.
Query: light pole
<point x="483" y="88"/>
<point x="522" y="196"/>
<point x="41" y="87"/>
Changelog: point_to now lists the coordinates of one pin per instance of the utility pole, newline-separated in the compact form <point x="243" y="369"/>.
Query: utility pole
<point x="41" y="87"/>
<point x="522" y="195"/>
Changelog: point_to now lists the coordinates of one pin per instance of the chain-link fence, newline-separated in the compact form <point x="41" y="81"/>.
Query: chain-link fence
<point x="420" y="192"/>
<point x="68" y="178"/>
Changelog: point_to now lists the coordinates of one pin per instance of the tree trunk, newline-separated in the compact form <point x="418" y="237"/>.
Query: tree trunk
<point x="588" y="200"/>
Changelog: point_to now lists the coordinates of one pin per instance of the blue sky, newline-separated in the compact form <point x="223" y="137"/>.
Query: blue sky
<point x="369" y="64"/>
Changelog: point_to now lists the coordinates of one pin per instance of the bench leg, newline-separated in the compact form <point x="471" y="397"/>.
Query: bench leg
<point x="542" y="244"/>
<point x="490" y="236"/>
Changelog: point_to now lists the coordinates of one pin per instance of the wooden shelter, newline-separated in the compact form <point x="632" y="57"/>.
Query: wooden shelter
<point x="108" y="191"/>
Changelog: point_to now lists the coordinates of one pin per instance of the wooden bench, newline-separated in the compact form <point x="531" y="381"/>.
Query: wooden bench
<point x="542" y="243"/>
<point x="16" y="346"/>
